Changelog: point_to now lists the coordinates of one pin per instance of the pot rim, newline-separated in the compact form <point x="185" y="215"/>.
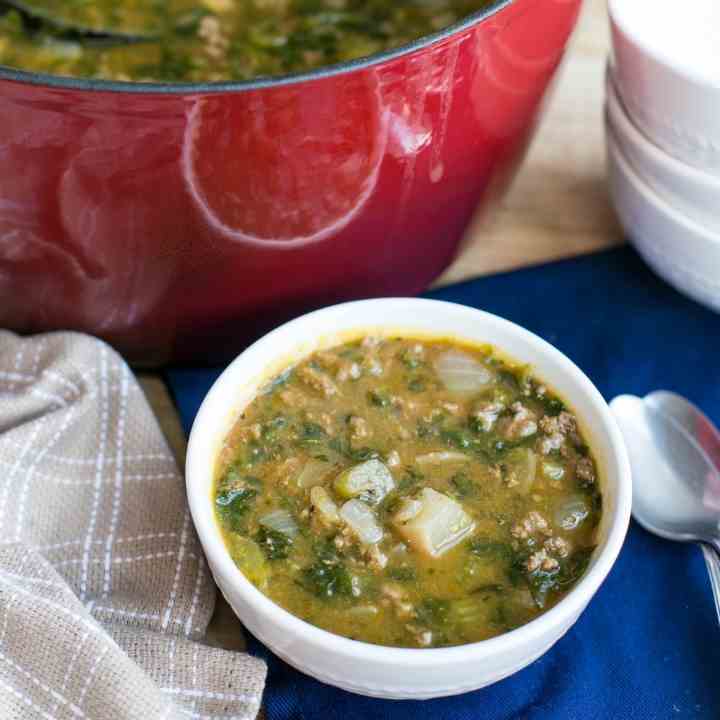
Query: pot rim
<point x="164" y="88"/>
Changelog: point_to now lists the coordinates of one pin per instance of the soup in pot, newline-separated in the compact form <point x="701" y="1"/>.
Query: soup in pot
<point x="210" y="40"/>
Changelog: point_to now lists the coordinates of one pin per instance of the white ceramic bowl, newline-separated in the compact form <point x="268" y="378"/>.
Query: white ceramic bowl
<point x="667" y="66"/>
<point x="372" y="669"/>
<point x="683" y="252"/>
<point x="693" y="192"/>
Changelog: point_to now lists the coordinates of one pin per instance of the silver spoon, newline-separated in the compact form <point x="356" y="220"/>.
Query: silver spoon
<point x="676" y="484"/>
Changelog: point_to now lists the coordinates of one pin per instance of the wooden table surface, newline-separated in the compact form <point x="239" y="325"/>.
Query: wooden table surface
<point x="557" y="207"/>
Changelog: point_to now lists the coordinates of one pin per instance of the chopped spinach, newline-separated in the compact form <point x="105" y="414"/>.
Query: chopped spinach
<point x="582" y="449"/>
<point x="274" y="544"/>
<point x="343" y="447"/>
<point x="410" y="478"/>
<point x="476" y="425"/>
<point x="310" y="435"/>
<point x="232" y="506"/>
<point x="379" y="398"/>
<point x="574" y="566"/>
<point x="327" y="577"/>
<point x="362" y="454"/>
<point x="509" y="379"/>
<point x="463" y="485"/>
<point x="551" y="405"/>
<point x="487" y="589"/>
<point x="271" y="429"/>
<point x="483" y="547"/>
<point x="401" y="574"/>
<point x="433" y="612"/>
<point x="411" y="360"/>
<point x="311" y="430"/>
<point x="231" y="478"/>
<point x="541" y="582"/>
<point x="416" y="385"/>
<point x="458" y="438"/>
<point x="327" y="580"/>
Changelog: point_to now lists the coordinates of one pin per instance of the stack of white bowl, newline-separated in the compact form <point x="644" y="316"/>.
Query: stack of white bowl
<point x="663" y="137"/>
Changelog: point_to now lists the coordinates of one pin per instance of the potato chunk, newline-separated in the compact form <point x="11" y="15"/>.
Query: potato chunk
<point x="440" y="524"/>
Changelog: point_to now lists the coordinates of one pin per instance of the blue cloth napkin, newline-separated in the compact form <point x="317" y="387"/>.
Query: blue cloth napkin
<point x="648" y="646"/>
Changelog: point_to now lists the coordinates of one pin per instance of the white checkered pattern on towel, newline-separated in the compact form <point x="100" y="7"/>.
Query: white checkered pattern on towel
<point x="104" y="592"/>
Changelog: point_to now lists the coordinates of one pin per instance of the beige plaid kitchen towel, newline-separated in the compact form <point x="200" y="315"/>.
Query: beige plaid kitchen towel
<point x="104" y="593"/>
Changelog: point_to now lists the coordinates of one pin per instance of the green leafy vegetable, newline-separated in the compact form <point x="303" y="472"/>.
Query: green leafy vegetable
<point x="409" y="480"/>
<point x="541" y="582"/>
<point x="343" y="447"/>
<point x="488" y="589"/>
<point x="464" y="486"/>
<point x="416" y="385"/>
<point x="411" y="360"/>
<point x="574" y="566"/>
<point x="401" y="574"/>
<point x="433" y="612"/>
<point x="274" y="544"/>
<point x="327" y="580"/>
<point x="482" y="547"/>
<point x="551" y="405"/>
<point x="378" y="398"/>
<point x="271" y="429"/>
<point x="233" y="504"/>
<point x="460" y="439"/>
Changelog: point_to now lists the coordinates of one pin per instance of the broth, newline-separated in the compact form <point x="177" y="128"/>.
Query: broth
<point x="409" y="492"/>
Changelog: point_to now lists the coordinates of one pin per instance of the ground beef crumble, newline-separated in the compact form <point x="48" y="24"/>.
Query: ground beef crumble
<point x="585" y="471"/>
<point x="317" y="381"/>
<point x="533" y="522"/>
<point x="556" y="430"/>
<point x="522" y="424"/>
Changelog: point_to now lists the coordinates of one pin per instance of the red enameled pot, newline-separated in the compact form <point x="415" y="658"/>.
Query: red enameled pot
<point x="177" y="221"/>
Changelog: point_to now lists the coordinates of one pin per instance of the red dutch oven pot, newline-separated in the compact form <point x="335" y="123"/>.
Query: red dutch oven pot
<point x="178" y="221"/>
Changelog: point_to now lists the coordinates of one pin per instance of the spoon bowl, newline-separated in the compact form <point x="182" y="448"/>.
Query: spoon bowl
<point x="676" y="481"/>
<point x="673" y="476"/>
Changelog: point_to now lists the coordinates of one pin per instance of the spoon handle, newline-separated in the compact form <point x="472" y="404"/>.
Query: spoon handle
<point x="712" y="560"/>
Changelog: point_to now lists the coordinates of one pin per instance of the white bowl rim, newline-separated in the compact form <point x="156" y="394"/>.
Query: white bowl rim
<point x="626" y="128"/>
<point x="558" y="616"/>
<point x="650" y="196"/>
<point x="669" y="62"/>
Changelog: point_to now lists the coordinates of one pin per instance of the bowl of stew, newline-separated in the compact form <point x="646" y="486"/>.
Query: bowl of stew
<point x="174" y="171"/>
<point x="407" y="498"/>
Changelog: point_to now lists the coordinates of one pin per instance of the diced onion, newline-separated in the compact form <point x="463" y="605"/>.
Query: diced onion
<point x="444" y="456"/>
<point x="522" y="463"/>
<point x="361" y="520"/>
<point x="249" y="558"/>
<point x="281" y="521"/>
<point x="467" y="611"/>
<point x="370" y="480"/>
<point x="314" y="472"/>
<point x="408" y="510"/>
<point x="572" y="513"/>
<point x="553" y="471"/>
<point x="361" y="611"/>
<point x="324" y="505"/>
<point x="462" y="373"/>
